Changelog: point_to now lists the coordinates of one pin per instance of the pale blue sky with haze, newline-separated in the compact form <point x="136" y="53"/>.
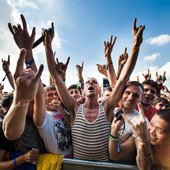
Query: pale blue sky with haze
<point x="81" y="27"/>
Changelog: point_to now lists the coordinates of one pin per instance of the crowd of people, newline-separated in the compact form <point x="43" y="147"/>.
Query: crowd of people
<point x="126" y="122"/>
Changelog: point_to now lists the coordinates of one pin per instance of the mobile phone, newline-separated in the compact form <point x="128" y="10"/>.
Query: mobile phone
<point x="105" y="83"/>
<point x="118" y="114"/>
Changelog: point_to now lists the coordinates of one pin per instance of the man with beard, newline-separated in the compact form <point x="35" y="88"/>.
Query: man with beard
<point x="150" y="93"/>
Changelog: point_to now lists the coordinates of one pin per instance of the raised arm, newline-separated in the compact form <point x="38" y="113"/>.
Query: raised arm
<point x="5" y="66"/>
<point x="79" y="69"/>
<point x="26" y="84"/>
<point x="121" y="62"/>
<point x="108" y="46"/>
<point x="115" y="96"/>
<point x="141" y="136"/>
<point x="147" y="76"/>
<point x="55" y="70"/>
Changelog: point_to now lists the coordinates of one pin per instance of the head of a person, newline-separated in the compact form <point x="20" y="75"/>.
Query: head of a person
<point x="50" y="95"/>
<point x="75" y="91"/>
<point x="161" y="103"/>
<point x="91" y="88"/>
<point x="107" y="92"/>
<point x="7" y="101"/>
<point x="151" y="91"/>
<point x="132" y="95"/>
<point x="159" y="128"/>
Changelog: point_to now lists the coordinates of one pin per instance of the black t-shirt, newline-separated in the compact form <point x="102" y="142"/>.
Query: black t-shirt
<point x="5" y="144"/>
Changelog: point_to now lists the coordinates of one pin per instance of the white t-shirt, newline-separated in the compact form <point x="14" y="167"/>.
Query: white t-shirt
<point x="56" y="134"/>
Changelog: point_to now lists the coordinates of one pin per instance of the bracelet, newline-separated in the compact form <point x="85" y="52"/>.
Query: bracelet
<point x="107" y="65"/>
<point x="28" y="63"/>
<point x="81" y="80"/>
<point x="15" y="163"/>
<point x="8" y="73"/>
<point x="113" y="138"/>
<point x="134" y="49"/>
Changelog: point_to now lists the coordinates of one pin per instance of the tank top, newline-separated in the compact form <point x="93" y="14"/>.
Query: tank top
<point x="90" y="139"/>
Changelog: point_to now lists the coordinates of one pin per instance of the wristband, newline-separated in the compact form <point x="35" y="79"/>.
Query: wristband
<point x="107" y="65"/>
<point x="15" y="163"/>
<point x="134" y="49"/>
<point x="28" y="63"/>
<point x="113" y="139"/>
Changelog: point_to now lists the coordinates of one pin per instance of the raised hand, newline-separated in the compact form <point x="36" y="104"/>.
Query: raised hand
<point x="49" y="35"/>
<point x="147" y="76"/>
<point x="108" y="46"/>
<point x="26" y="81"/>
<point x="61" y="68"/>
<point x="121" y="62"/>
<point x="137" y="33"/>
<point x="138" y="124"/>
<point x="123" y="58"/>
<point x="80" y="71"/>
<point x="6" y="64"/>
<point x="21" y="35"/>
<point x="160" y="79"/>
<point x="102" y="69"/>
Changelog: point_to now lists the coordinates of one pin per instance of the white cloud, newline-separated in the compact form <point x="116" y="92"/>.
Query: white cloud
<point x="159" y="40"/>
<point x="152" y="57"/>
<point x="23" y="3"/>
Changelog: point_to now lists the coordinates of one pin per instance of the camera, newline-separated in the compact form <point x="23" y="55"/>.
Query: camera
<point x="118" y="114"/>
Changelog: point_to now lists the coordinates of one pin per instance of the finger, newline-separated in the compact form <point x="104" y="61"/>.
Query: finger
<point x="11" y="28"/>
<point x="33" y="34"/>
<point x="52" y="26"/>
<point x="19" y="27"/>
<point x="9" y="59"/>
<point x="111" y="39"/>
<point x="67" y="62"/>
<point x="39" y="73"/>
<point x="134" y="24"/>
<point x="125" y="51"/>
<point x="24" y="23"/>
<point x="104" y="43"/>
<point x="16" y="29"/>
<point x="141" y="112"/>
<point x="57" y="62"/>
<point x="156" y="73"/>
<point x="114" y="40"/>
<point x="20" y="62"/>
<point x="164" y="73"/>
<point x="82" y="65"/>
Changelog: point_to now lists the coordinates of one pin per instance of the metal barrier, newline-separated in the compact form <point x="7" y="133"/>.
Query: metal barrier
<point x="75" y="164"/>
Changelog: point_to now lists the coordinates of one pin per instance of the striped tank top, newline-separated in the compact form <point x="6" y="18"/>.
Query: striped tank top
<point x="90" y="139"/>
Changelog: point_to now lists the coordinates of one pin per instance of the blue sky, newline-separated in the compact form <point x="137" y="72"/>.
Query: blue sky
<point x="81" y="27"/>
